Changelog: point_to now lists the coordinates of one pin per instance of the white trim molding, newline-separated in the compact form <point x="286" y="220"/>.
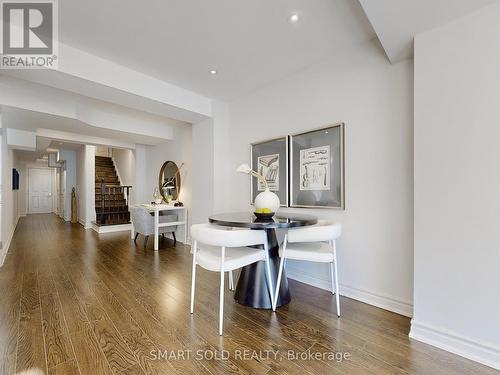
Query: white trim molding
<point x="119" y="179"/>
<point x="481" y="352"/>
<point x="116" y="169"/>
<point x="384" y="302"/>
<point x="84" y="224"/>
<point x="5" y="245"/>
<point x="111" y="228"/>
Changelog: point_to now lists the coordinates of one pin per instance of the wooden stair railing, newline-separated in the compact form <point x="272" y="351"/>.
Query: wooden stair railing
<point x="113" y="208"/>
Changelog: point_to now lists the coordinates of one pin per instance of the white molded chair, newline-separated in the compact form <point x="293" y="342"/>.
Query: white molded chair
<point x="220" y="250"/>
<point x="315" y="244"/>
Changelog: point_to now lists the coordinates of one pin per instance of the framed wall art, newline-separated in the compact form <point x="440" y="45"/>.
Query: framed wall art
<point x="317" y="168"/>
<point x="270" y="159"/>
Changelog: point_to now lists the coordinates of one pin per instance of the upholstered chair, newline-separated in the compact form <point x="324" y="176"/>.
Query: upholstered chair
<point x="143" y="223"/>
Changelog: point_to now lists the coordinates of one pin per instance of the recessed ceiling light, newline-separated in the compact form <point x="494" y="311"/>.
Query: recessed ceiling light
<point x="213" y="72"/>
<point x="294" y="18"/>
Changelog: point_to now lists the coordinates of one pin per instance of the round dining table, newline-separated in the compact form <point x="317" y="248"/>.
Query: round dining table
<point x="251" y="289"/>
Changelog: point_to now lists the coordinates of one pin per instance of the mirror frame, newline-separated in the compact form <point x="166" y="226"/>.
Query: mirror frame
<point x="177" y="180"/>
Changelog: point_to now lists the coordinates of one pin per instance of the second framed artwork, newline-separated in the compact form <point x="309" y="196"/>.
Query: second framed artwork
<point x="305" y="169"/>
<point x="317" y="168"/>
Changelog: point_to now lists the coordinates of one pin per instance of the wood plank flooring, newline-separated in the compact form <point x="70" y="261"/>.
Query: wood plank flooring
<point x="75" y="303"/>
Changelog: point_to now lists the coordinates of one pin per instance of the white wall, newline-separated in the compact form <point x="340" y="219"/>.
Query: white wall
<point x="457" y="187"/>
<point x="178" y="150"/>
<point x="125" y="165"/>
<point x="2" y="238"/>
<point x="102" y="151"/>
<point x="124" y="161"/>
<point x="55" y="182"/>
<point x="211" y="168"/>
<point x="22" y="202"/>
<point x="202" y="203"/>
<point x="10" y="199"/>
<point x="140" y="192"/>
<point x="85" y="184"/>
<point x="71" y="172"/>
<point x="222" y="143"/>
<point x="61" y="190"/>
<point x="374" y="99"/>
<point x="80" y="185"/>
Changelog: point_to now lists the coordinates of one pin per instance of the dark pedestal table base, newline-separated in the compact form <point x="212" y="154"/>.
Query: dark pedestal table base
<point x="252" y="289"/>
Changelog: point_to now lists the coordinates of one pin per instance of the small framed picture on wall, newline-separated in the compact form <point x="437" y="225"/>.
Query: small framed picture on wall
<point x="270" y="159"/>
<point x="317" y="168"/>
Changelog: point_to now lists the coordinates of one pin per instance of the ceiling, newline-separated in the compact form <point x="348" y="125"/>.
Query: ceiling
<point x="250" y="43"/>
<point x="30" y="156"/>
<point x="397" y="22"/>
<point x="31" y="121"/>
<point x="57" y="145"/>
<point x="41" y="152"/>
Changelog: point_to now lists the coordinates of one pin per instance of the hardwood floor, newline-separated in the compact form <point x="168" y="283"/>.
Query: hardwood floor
<point x="76" y="303"/>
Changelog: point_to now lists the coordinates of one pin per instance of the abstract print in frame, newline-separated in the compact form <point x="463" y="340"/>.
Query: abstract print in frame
<point x="317" y="168"/>
<point x="270" y="159"/>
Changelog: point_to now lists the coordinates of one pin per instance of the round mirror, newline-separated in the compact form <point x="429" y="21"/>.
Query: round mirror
<point x="169" y="181"/>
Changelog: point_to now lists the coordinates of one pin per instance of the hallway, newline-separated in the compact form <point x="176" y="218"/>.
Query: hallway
<point x="73" y="302"/>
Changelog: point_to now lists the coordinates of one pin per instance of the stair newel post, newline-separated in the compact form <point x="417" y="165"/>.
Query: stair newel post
<point x="127" y="215"/>
<point x="111" y="204"/>
<point x="115" y="204"/>
<point x="103" y="203"/>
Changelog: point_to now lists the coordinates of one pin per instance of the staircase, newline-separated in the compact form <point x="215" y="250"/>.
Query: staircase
<point x="111" y="205"/>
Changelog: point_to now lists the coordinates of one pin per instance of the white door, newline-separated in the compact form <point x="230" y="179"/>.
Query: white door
<point x="40" y="191"/>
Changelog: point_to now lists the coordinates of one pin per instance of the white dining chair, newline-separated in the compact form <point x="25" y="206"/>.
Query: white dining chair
<point x="229" y="273"/>
<point x="219" y="250"/>
<point x="315" y="243"/>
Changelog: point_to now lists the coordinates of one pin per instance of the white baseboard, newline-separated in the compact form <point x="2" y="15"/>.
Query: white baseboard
<point x="112" y="228"/>
<point x="484" y="353"/>
<point x="4" y="250"/>
<point x="6" y="244"/>
<point x="84" y="224"/>
<point x="375" y="299"/>
<point x="371" y="298"/>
